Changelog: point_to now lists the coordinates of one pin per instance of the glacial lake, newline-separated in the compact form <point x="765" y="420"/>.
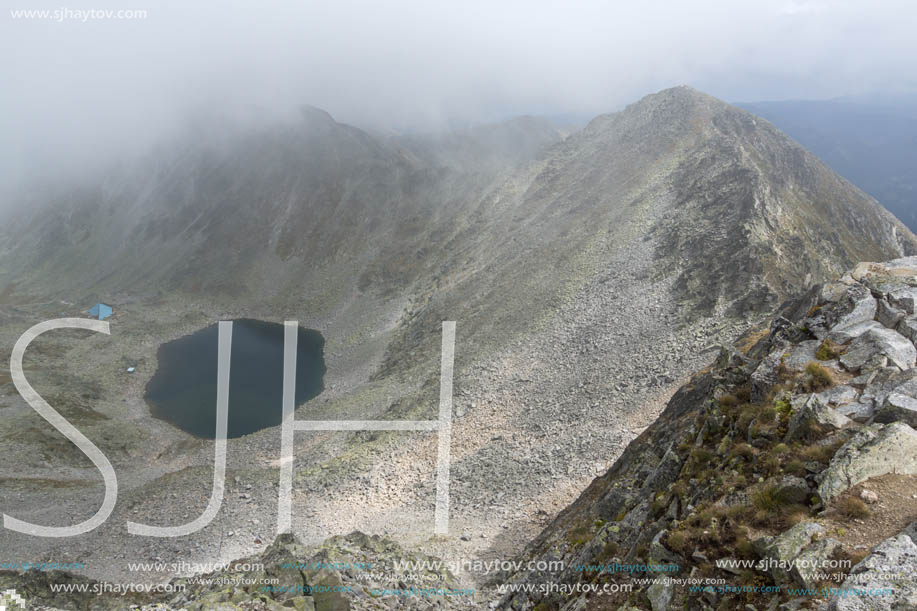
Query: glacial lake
<point x="183" y="391"/>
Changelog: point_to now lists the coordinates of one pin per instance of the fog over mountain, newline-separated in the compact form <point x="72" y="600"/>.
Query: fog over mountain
<point x="563" y="314"/>
<point x="588" y="275"/>
<point x="84" y="91"/>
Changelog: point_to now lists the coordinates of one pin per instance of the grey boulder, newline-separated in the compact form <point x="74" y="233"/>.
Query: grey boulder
<point x="904" y="298"/>
<point x="892" y="566"/>
<point x="887" y="315"/>
<point x="811" y="412"/>
<point x="876" y="450"/>
<point x="838" y="395"/>
<point x="842" y="335"/>
<point x="858" y="412"/>
<point x="880" y="341"/>
<point x="778" y="553"/>
<point x="898" y="408"/>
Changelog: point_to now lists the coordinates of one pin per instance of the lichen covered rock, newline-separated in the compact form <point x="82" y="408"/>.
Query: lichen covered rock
<point x="876" y="450"/>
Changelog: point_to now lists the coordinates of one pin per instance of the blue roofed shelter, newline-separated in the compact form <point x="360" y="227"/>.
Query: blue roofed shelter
<point x="101" y="310"/>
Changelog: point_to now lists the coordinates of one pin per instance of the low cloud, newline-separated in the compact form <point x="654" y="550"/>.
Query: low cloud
<point x="77" y="90"/>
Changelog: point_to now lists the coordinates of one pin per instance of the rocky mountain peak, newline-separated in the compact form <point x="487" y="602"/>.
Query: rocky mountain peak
<point x="314" y="116"/>
<point x="677" y="106"/>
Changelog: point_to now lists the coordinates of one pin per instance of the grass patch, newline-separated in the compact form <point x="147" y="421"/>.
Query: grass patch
<point x="767" y="415"/>
<point x="744" y="451"/>
<point x="784" y="411"/>
<point x="770" y="465"/>
<point x="774" y="509"/>
<point x="743" y="393"/>
<point x="857" y="556"/>
<point x="852" y="508"/>
<point x="677" y="542"/>
<point x="745" y="418"/>
<point x="579" y="535"/>
<point x="795" y="467"/>
<point x="608" y="551"/>
<point x="679" y="489"/>
<point x="829" y="350"/>
<point x="716" y="531"/>
<point x="821" y="453"/>
<point x="698" y="461"/>
<point x="751" y="338"/>
<point x="817" y="377"/>
<point x="768" y="499"/>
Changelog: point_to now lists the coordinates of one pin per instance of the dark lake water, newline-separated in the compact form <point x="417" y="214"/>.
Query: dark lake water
<point x="184" y="389"/>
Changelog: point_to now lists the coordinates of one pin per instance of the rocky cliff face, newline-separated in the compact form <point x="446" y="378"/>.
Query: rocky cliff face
<point x="795" y="453"/>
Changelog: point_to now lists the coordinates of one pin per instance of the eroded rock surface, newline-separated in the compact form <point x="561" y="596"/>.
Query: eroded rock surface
<point x="767" y="439"/>
<point x="876" y="450"/>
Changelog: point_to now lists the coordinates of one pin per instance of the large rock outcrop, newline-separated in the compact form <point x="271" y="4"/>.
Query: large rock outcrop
<point x="876" y="450"/>
<point x="891" y="567"/>
<point x="768" y="440"/>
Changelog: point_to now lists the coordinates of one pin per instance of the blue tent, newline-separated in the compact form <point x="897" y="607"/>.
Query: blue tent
<point x="101" y="310"/>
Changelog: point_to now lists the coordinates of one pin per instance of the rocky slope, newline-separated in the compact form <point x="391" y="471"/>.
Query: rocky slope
<point x="865" y="140"/>
<point x="586" y="279"/>
<point x="795" y="451"/>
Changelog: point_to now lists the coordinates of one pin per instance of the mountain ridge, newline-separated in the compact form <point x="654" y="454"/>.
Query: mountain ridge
<point x="586" y="279"/>
<point x="868" y="140"/>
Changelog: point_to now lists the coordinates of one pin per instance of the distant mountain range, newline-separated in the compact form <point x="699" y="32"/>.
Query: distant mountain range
<point x="869" y="140"/>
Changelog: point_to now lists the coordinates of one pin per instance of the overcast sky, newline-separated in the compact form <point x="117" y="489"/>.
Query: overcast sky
<point x="75" y="90"/>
